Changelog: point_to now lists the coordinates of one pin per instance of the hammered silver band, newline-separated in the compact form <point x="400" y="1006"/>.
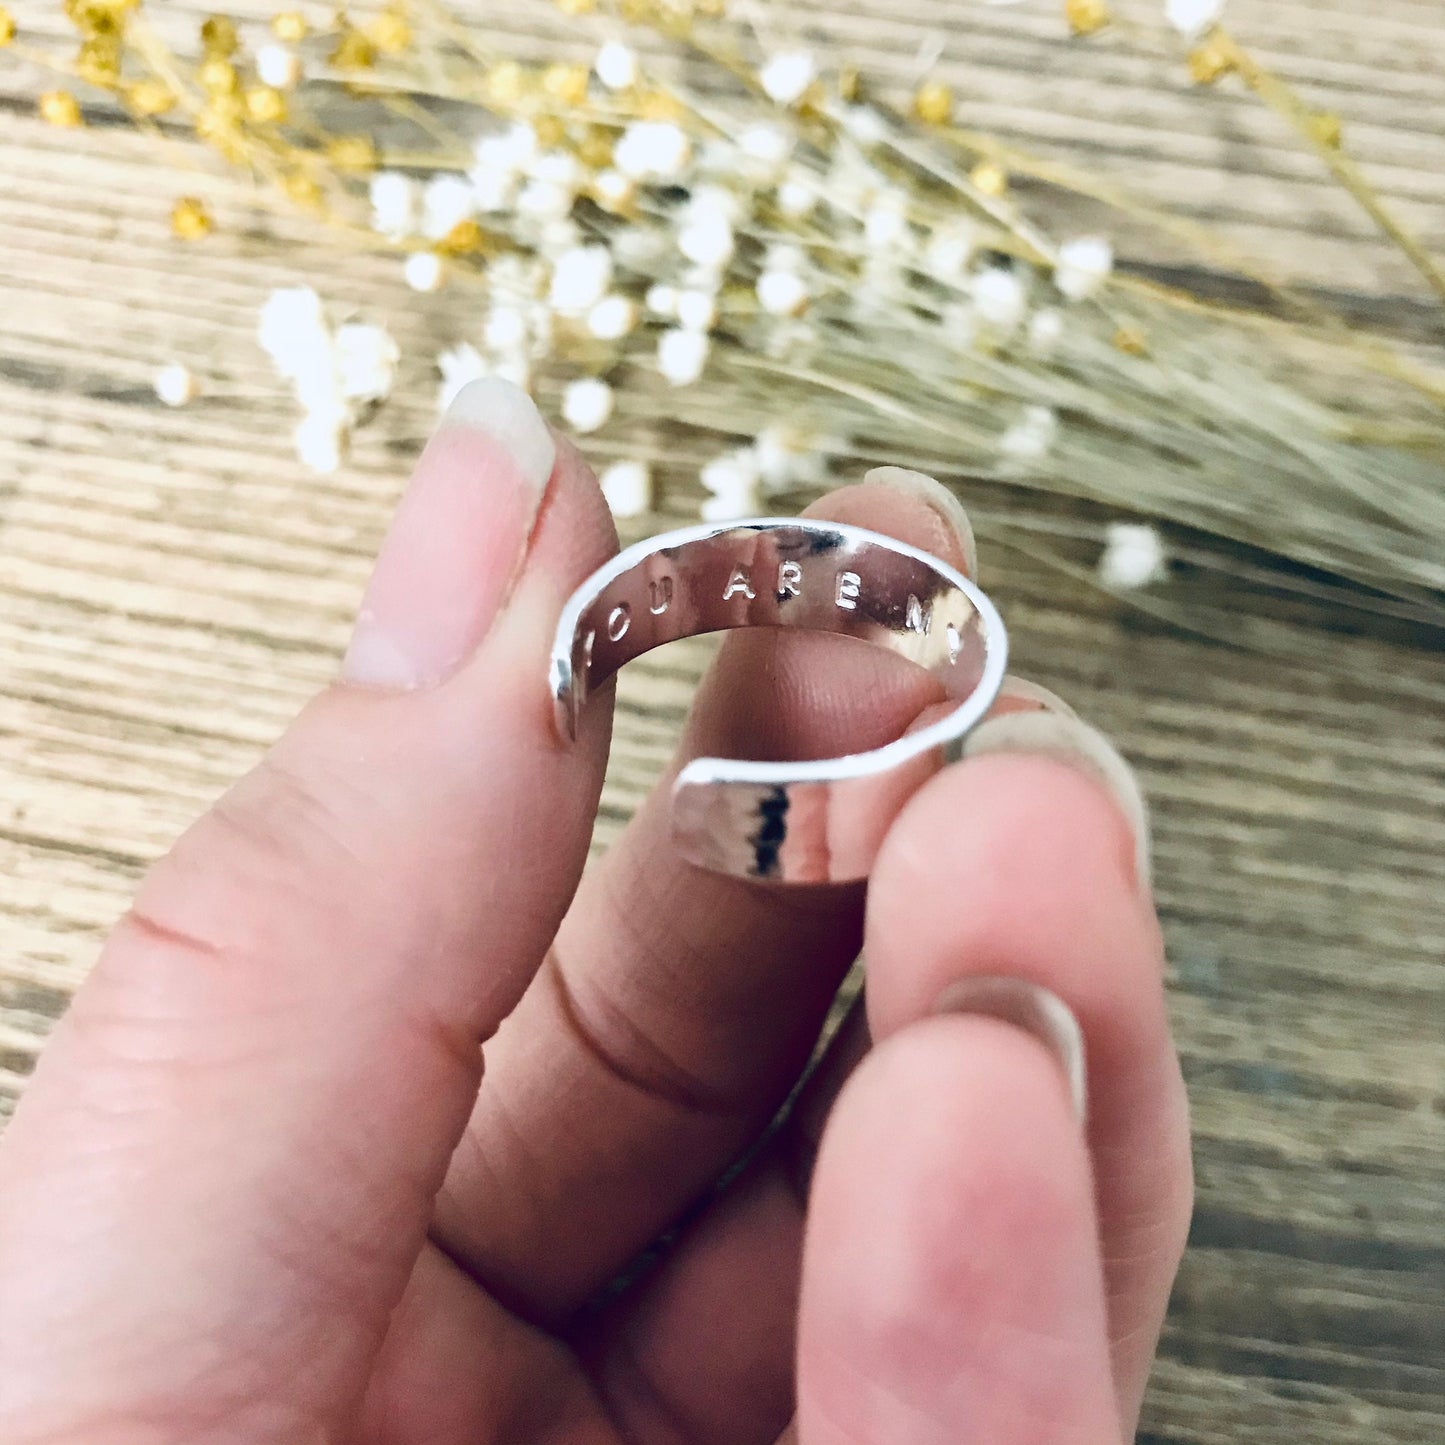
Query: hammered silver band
<point x="788" y="822"/>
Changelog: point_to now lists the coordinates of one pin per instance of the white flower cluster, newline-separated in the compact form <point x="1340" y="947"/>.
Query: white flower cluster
<point x="1133" y="556"/>
<point x="335" y="372"/>
<point x="780" y="459"/>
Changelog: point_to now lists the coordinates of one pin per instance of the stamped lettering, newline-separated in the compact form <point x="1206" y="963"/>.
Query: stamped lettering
<point x="660" y="595"/>
<point x="739" y="582"/>
<point x="850" y="586"/>
<point x="790" y="580"/>
<point x="915" y="619"/>
<point x="618" y="621"/>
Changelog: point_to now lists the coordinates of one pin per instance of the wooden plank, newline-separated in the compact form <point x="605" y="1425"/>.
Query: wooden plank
<point x="173" y="585"/>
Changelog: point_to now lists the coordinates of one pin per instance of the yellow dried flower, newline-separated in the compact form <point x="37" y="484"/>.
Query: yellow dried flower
<point x="933" y="103"/>
<point x="265" y="105"/>
<point x="60" y="107"/>
<point x="1326" y="129"/>
<point x="1130" y="340"/>
<point x="989" y="178"/>
<point x="1208" y="61"/>
<point x="504" y="83"/>
<point x="551" y="131"/>
<point x="95" y="17"/>
<point x="7" y="26"/>
<point x="191" y="220"/>
<point x="710" y="9"/>
<point x="303" y="189"/>
<point x="218" y="36"/>
<point x="576" y="7"/>
<point x="353" y="51"/>
<point x="595" y="148"/>
<point x="151" y="97"/>
<point x="219" y="128"/>
<point x="98" y="61"/>
<point x="659" y="105"/>
<point x="289" y="26"/>
<point x="850" y="83"/>
<point x="1086" y="16"/>
<point x="219" y="77"/>
<point x="351" y="153"/>
<point x="464" y="237"/>
<point x="637" y="12"/>
<point x="566" y="83"/>
<point x="390" y="32"/>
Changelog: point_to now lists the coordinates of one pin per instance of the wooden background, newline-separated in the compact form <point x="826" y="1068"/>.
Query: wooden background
<point x="173" y="584"/>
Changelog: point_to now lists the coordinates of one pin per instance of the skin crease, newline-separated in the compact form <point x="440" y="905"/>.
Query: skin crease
<point x="367" y="1098"/>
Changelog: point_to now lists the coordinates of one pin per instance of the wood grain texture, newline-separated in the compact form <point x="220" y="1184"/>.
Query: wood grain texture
<point x="173" y="585"/>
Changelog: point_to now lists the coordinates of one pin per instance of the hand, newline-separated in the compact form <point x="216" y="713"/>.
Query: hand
<point x="254" y="1193"/>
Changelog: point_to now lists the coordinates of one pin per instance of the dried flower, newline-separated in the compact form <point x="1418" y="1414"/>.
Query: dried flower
<point x="447" y="201"/>
<point x="1209" y="60"/>
<point x="423" y="271"/>
<point x="175" y="385"/>
<point x="587" y="404"/>
<point x="151" y="97"/>
<point x="652" y="150"/>
<point x="1191" y="18"/>
<point x="265" y="105"/>
<point x="612" y="318"/>
<point x="616" y="65"/>
<point x="733" y="480"/>
<point x="950" y="248"/>
<point x="7" y="26"/>
<point x="320" y="439"/>
<point x="696" y="309"/>
<point x="682" y="355"/>
<point x="218" y="36"/>
<point x="627" y="486"/>
<point x="989" y="178"/>
<point x="766" y="148"/>
<point x="786" y="77"/>
<point x="1046" y="328"/>
<point x="390" y="32"/>
<point x="1084" y="265"/>
<point x="1133" y="556"/>
<point x="60" y="107"/>
<point x="933" y="103"/>
<point x="999" y="297"/>
<point x="1086" y="16"/>
<point x="393" y="205"/>
<point x="1029" y="438"/>
<point x="278" y="66"/>
<point x="782" y="291"/>
<point x="661" y="300"/>
<point x="580" y="279"/>
<point x="366" y="359"/>
<point x="191" y="219"/>
<point x="289" y="26"/>
<point x="458" y="365"/>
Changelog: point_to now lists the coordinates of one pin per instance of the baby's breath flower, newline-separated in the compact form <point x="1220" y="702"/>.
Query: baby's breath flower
<point x="696" y="309"/>
<point x="766" y="149"/>
<point x="652" y="150"/>
<point x="682" y="355"/>
<point x="587" y="404"/>
<point x="614" y="190"/>
<point x="292" y="331"/>
<point x="612" y="318"/>
<point x="393" y="205"/>
<point x="366" y="358"/>
<point x="1046" y="326"/>
<point x="786" y="458"/>
<point x="1083" y="265"/>
<point x="447" y="201"/>
<point x="505" y="329"/>
<point x="786" y="77"/>
<point x="796" y="197"/>
<point x="782" y="292"/>
<point x="423" y="271"/>
<point x="1029" y="438"/>
<point x="999" y="297"/>
<point x="175" y="385"/>
<point x="278" y="66"/>
<point x="320" y="438"/>
<point x="885" y="226"/>
<point x="864" y="124"/>
<point x="661" y="300"/>
<point x="1191" y="18"/>
<point x="580" y="279"/>
<point x="733" y="480"/>
<point x="544" y="201"/>
<point x="1133" y="556"/>
<point x="458" y="365"/>
<point x="627" y="486"/>
<point x="950" y="248"/>
<point x="707" y="240"/>
<point x="511" y="151"/>
<point x="616" y="65"/>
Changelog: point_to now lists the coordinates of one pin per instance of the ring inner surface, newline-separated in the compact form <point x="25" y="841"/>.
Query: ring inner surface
<point x="782" y="576"/>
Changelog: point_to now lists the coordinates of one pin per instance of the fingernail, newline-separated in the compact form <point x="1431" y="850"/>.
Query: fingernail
<point x="944" y="503"/>
<point x="1036" y="1010"/>
<point x="459" y="535"/>
<point x="1072" y="741"/>
<point x="1018" y="694"/>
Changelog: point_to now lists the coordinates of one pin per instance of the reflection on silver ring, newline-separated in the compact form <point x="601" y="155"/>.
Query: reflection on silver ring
<point x="804" y="822"/>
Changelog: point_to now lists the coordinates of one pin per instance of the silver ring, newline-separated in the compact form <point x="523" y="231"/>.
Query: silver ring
<point x="804" y="822"/>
